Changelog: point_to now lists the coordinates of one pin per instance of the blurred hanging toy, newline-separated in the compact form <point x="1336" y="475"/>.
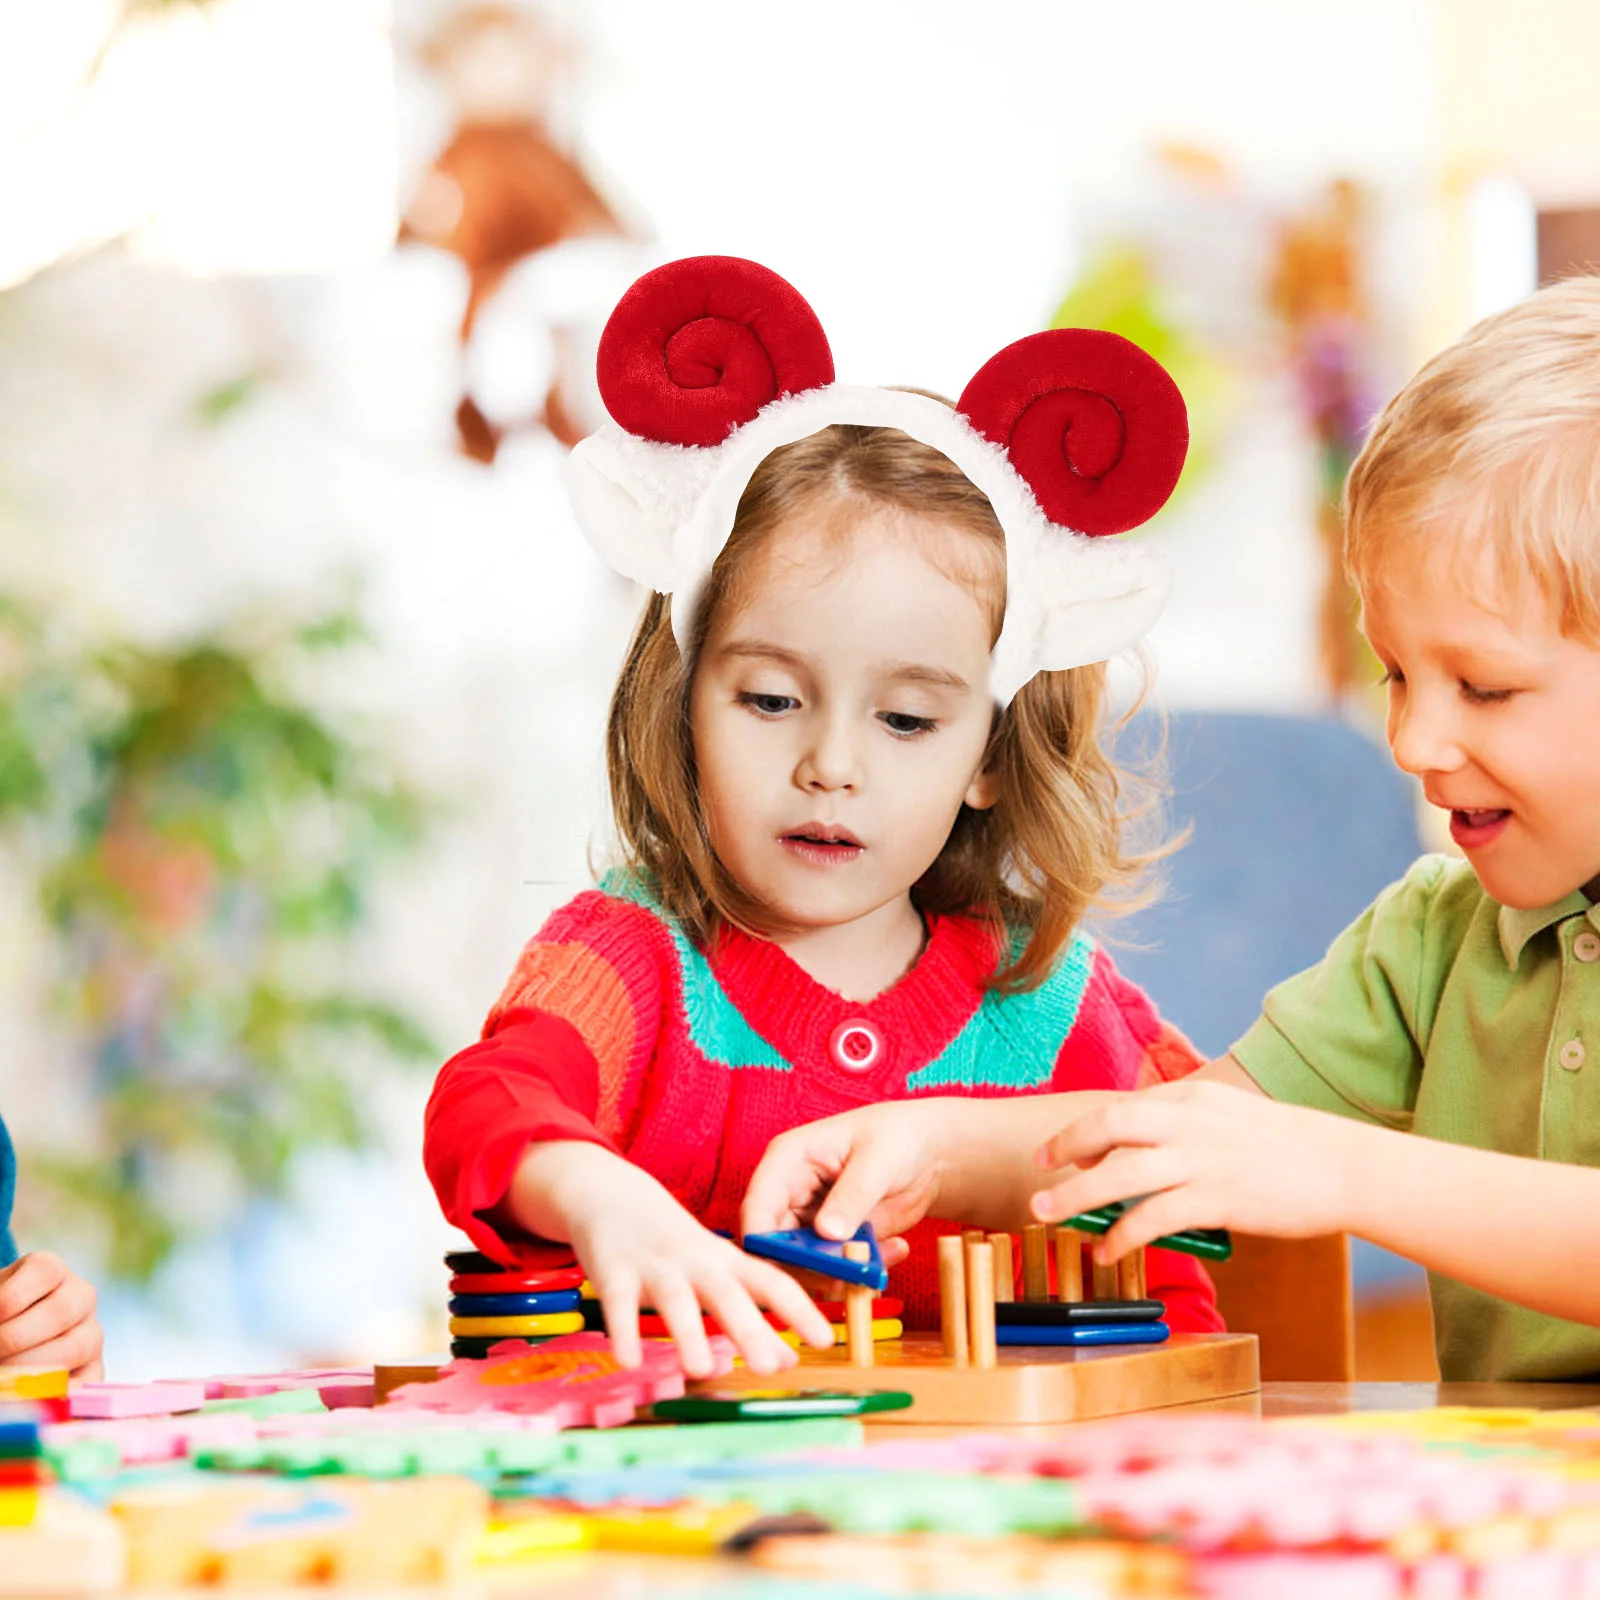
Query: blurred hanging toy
<point x="502" y="191"/>
<point x="711" y="363"/>
<point x="1316" y="290"/>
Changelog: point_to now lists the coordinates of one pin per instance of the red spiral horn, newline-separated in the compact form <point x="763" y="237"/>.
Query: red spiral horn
<point x="1095" y="426"/>
<point x="699" y="346"/>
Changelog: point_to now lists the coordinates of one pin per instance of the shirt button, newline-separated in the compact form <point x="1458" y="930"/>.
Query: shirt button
<point x="856" y="1045"/>
<point x="1572" y="1054"/>
<point x="1586" y="947"/>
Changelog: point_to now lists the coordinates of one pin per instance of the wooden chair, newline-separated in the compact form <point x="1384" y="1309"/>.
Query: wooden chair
<point x="1294" y="1295"/>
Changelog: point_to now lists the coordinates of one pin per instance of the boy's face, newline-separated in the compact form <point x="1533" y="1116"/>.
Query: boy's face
<point x="840" y="717"/>
<point x="1498" y="713"/>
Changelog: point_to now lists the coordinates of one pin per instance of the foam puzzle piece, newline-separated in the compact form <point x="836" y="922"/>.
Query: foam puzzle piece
<point x="514" y="1305"/>
<point x="78" y="1450"/>
<point x="101" y="1400"/>
<point x="1082" y="1333"/>
<point x="422" y="1530"/>
<point x="575" y="1380"/>
<point x="275" y="1403"/>
<point x="546" y="1533"/>
<point x="32" y="1383"/>
<point x="802" y="1247"/>
<point x="348" y="1393"/>
<point x="70" y="1548"/>
<point x="1210" y="1244"/>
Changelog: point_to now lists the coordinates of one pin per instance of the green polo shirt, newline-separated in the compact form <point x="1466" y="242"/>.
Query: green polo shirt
<point x="1443" y="1012"/>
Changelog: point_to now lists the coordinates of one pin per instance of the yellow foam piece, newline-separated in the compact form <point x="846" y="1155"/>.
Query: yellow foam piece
<point x="503" y="1544"/>
<point x="882" y="1328"/>
<point x="19" y="1506"/>
<point x="672" y="1530"/>
<point x="510" y="1327"/>
<point x="32" y="1383"/>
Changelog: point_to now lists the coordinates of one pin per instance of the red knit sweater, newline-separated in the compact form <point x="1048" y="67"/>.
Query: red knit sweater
<point x="614" y="1028"/>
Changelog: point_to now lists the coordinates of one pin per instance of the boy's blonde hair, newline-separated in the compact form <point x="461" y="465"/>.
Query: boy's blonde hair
<point x="1496" y="443"/>
<point x="1049" y="849"/>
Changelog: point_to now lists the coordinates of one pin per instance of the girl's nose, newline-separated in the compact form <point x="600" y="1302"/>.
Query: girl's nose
<point x="830" y="762"/>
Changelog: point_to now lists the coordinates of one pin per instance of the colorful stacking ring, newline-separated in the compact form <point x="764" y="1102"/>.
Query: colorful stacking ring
<point x="535" y="1258"/>
<point x="557" y="1280"/>
<point x="882" y="1328"/>
<point x="1085" y="1333"/>
<point x="514" y="1305"/>
<point x="516" y="1327"/>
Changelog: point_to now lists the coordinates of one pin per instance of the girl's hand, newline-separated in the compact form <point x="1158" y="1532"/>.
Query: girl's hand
<point x="1208" y="1156"/>
<point x="877" y="1164"/>
<point x="641" y="1248"/>
<point x="47" y="1317"/>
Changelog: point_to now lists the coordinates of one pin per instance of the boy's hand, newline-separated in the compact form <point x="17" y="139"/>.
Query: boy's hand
<point x="47" y="1317"/>
<point x="641" y="1248"/>
<point x="1208" y="1156"/>
<point x="877" y="1164"/>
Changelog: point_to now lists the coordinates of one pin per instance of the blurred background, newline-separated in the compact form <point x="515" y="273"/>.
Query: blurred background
<point x="303" y="665"/>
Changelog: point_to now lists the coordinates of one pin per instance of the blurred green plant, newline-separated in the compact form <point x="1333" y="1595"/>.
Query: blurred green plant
<point x="204" y="842"/>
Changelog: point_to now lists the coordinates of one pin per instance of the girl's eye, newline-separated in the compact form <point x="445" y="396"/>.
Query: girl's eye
<point x="768" y="705"/>
<point x="1483" y="697"/>
<point x="1391" y="675"/>
<point x="906" y="725"/>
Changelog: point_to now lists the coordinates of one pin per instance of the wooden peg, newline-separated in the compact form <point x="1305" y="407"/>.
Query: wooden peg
<point x="1005" y="1266"/>
<point x="1106" y="1279"/>
<point x="858" y="1309"/>
<point x="980" y="1303"/>
<point x="1069" y="1265"/>
<point x="1130" y="1276"/>
<point x="973" y="1236"/>
<point x="1035" y="1262"/>
<point x="953" y="1297"/>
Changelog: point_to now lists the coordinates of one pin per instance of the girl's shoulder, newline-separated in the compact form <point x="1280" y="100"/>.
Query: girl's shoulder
<point x="623" y="904"/>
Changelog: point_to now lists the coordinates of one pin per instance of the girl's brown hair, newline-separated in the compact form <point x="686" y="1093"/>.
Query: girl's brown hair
<point x="1050" y="849"/>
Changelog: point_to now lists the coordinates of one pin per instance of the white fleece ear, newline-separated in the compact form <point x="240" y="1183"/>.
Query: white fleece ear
<point x="625" y="527"/>
<point x="1073" y="600"/>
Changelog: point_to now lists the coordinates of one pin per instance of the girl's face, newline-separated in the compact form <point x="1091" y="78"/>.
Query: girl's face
<point x="840" y="710"/>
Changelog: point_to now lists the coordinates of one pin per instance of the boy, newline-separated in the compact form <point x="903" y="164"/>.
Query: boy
<point x="1464" y="1005"/>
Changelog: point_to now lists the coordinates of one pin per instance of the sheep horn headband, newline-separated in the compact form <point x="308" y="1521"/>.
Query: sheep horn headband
<point x="711" y="363"/>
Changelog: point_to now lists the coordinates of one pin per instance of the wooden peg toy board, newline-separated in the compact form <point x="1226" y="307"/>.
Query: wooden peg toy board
<point x="1033" y="1384"/>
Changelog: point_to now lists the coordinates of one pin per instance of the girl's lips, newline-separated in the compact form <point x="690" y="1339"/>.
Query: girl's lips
<point x="1471" y="830"/>
<point x="822" y="849"/>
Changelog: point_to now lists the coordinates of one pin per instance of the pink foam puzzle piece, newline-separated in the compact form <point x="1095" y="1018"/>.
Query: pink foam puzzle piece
<point x="573" y="1380"/>
<point x="347" y="1394"/>
<point x="109" y="1400"/>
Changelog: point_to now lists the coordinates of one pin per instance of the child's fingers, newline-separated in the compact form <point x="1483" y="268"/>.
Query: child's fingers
<point x="678" y="1305"/>
<point x="1125" y="1175"/>
<point x="1140" y="1119"/>
<point x="70" y="1304"/>
<point x="866" y="1178"/>
<point x="619" y="1299"/>
<point x="729" y="1302"/>
<point x="1169" y="1212"/>
<point x="784" y="1183"/>
<point x="893" y="1250"/>
<point x="73" y="1346"/>
<point x="29" y="1279"/>
<point x="780" y="1293"/>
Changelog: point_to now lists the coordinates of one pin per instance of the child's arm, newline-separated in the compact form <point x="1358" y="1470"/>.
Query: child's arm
<point x="895" y="1163"/>
<point x="1210" y="1157"/>
<point x="47" y="1317"/>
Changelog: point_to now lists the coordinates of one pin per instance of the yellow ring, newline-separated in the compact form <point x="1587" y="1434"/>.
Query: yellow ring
<point x="511" y="1327"/>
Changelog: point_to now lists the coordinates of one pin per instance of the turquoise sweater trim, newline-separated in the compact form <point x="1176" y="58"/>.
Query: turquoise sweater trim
<point x="716" y="1026"/>
<point x="1013" y="1041"/>
<point x="1010" y="1042"/>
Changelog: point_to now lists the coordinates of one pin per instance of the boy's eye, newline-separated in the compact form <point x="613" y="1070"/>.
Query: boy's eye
<point x="906" y="725"/>
<point x="768" y="705"/>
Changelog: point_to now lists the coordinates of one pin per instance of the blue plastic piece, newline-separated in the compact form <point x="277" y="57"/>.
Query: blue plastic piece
<point x="800" y="1247"/>
<point x="1083" y="1333"/>
<point x="515" y="1305"/>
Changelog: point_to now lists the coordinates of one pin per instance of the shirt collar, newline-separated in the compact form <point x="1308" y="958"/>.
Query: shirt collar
<point x="1517" y="927"/>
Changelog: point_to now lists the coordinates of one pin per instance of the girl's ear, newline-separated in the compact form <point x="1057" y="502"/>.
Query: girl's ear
<point x="984" y="789"/>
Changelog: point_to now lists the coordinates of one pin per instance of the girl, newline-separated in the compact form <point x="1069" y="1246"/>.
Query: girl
<point x="861" y="804"/>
